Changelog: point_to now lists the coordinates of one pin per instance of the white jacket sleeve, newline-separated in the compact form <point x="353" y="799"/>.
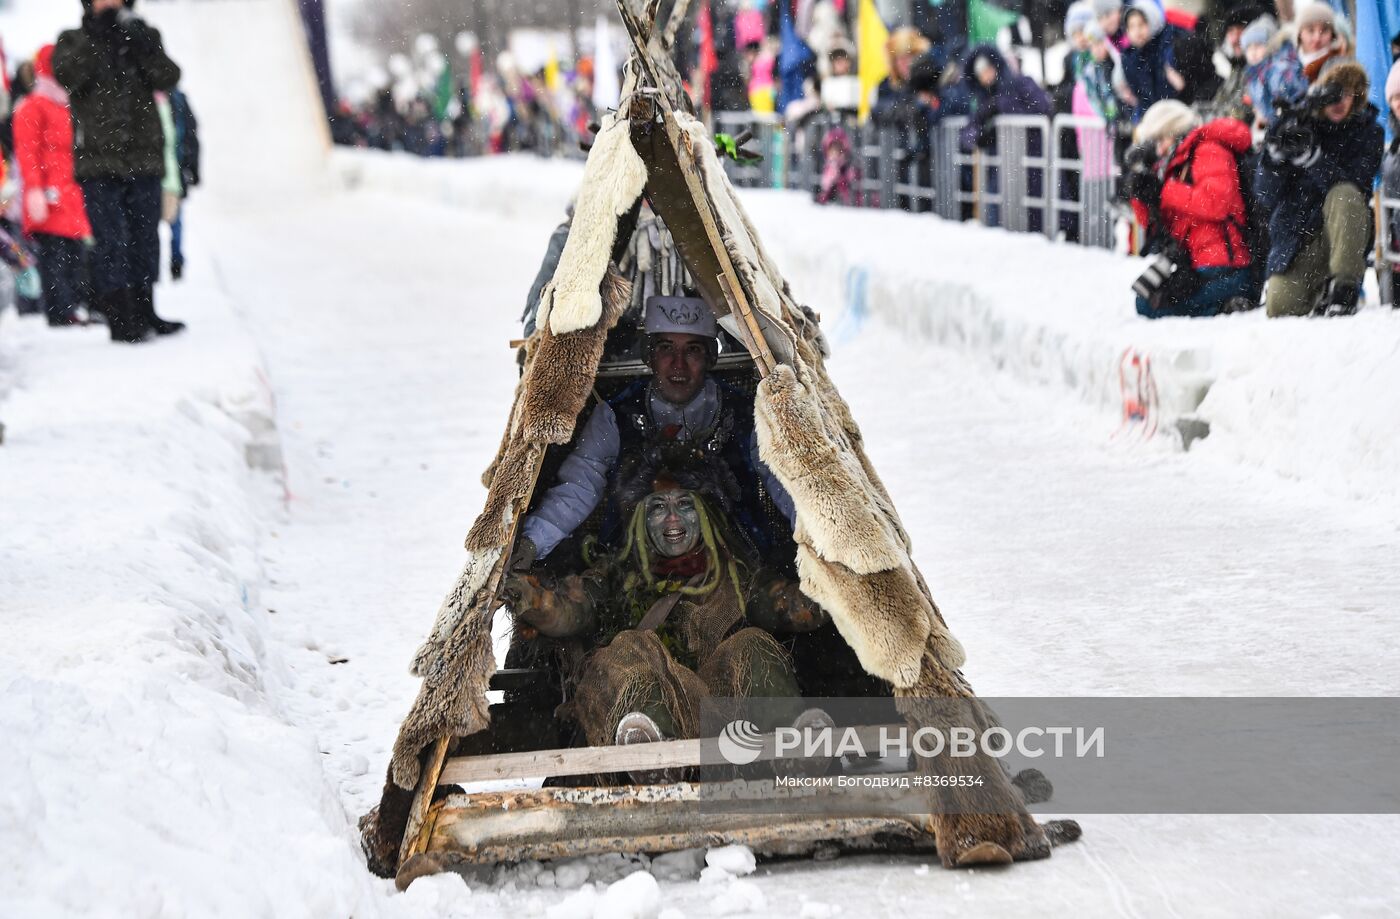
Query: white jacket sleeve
<point x="582" y="480"/>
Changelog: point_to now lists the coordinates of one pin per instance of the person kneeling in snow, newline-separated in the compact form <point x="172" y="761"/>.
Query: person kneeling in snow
<point x="1185" y="187"/>
<point x="1315" y="178"/>
<point x="680" y="614"/>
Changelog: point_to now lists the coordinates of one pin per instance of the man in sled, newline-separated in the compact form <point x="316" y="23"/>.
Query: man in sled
<point x="681" y="404"/>
<point x="681" y="613"/>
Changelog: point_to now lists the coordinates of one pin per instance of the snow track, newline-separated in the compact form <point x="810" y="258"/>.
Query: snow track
<point x="1067" y="563"/>
<point x="211" y="603"/>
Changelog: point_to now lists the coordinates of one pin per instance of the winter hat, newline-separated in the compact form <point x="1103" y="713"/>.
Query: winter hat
<point x="1317" y="12"/>
<point x="1351" y="77"/>
<point x="907" y="41"/>
<point x="43" y="61"/>
<point x="1241" y="16"/>
<point x="1156" y="19"/>
<point x="1392" y="82"/>
<point x="1105" y="7"/>
<point x="1259" y="32"/>
<point x="1079" y="15"/>
<point x="1094" y="32"/>
<point x="685" y="315"/>
<point x="1167" y="119"/>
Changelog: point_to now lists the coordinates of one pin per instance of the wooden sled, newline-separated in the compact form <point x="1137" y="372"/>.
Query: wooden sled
<point x="451" y="739"/>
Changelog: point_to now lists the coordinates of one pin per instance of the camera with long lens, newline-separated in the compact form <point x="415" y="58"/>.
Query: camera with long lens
<point x="1141" y="157"/>
<point x="1294" y="133"/>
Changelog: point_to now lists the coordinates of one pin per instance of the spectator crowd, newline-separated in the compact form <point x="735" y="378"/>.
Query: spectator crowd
<point x="1242" y="138"/>
<point x="100" y="147"/>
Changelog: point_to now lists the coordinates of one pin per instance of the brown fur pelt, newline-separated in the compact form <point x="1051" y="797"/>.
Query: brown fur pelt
<point x="558" y="379"/>
<point x="456" y="661"/>
<point x="961" y="818"/>
<point x="559" y="375"/>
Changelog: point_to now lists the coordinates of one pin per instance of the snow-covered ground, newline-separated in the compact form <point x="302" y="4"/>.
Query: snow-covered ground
<point x="218" y="552"/>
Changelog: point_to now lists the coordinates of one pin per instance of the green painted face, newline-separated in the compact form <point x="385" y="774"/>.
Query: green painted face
<point x="673" y="522"/>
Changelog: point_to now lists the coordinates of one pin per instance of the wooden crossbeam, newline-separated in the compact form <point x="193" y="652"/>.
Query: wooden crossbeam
<point x="667" y="754"/>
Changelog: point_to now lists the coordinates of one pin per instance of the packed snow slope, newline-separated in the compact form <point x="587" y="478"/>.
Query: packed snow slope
<point x="245" y="70"/>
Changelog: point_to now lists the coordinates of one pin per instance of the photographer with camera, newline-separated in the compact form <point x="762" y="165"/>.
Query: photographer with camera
<point x="1315" y="175"/>
<point x="1184" y="183"/>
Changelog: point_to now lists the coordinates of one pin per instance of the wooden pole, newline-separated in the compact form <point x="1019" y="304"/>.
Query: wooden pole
<point x="690" y="170"/>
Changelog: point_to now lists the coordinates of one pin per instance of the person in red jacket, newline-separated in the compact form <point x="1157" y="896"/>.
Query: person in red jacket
<point x="54" y="215"/>
<point x="1188" y="194"/>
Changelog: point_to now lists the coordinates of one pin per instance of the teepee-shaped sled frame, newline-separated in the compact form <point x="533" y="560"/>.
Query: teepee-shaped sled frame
<point x="853" y="555"/>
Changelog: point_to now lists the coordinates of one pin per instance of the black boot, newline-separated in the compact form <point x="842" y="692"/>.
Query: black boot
<point x="123" y="322"/>
<point x="146" y="307"/>
<point x="1340" y="298"/>
<point x="177" y="270"/>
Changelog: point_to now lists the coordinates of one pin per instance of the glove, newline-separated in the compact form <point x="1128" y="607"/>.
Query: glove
<point x="523" y="558"/>
<point x="986" y="135"/>
<point x="139" y="36"/>
<point x="1143" y="186"/>
<point x="36" y="205"/>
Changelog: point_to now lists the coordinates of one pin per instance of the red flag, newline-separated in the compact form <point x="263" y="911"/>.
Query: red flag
<point x="709" y="61"/>
<point x="475" y="74"/>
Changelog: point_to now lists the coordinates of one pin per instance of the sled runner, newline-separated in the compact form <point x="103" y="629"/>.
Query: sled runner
<point x="883" y="636"/>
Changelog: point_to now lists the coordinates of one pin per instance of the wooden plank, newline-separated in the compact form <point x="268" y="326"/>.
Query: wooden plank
<point x="690" y="170"/>
<point x="416" y="832"/>
<point x="667" y="754"/>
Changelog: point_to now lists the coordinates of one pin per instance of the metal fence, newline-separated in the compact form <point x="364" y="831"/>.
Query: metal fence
<point x="1054" y="176"/>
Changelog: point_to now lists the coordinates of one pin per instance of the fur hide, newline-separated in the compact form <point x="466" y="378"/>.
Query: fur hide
<point x="612" y="179"/>
<point x="456" y="661"/>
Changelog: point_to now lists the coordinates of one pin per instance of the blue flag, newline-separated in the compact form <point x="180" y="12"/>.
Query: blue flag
<point x="795" y="59"/>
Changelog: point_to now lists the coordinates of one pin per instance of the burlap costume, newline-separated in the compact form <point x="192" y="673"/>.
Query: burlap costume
<point x="709" y="645"/>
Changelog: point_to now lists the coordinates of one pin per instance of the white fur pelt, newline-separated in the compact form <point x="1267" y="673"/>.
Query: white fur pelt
<point x="612" y="180"/>
<point x="458" y="602"/>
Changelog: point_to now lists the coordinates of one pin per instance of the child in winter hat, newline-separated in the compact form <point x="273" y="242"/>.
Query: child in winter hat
<point x="1256" y="36"/>
<point x="1079" y="15"/>
<point x="1109" y="13"/>
<point x="1152" y="16"/>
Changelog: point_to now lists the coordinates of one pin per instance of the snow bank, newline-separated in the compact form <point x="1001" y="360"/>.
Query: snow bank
<point x="146" y="769"/>
<point x="1309" y="400"/>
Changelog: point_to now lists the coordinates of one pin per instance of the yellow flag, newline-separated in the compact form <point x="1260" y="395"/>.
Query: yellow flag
<point x="874" y="64"/>
<point x="551" y="70"/>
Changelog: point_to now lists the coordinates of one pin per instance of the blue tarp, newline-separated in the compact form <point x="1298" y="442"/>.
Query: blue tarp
<point x="1376" y="22"/>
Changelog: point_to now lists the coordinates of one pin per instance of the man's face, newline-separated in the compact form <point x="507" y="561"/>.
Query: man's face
<point x="1314" y="37"/>
<point x="679" y="363"/>
<point x="101" y="6"/>
<point x="840" y="66"/>
<point x="1337" y="112"/>
<point x="903" y="66"/>
<point x="1232" y="39"/>
<point x="1138" y="32"/>
<point x="986" y="72"/>
<point x="673" y="522"/>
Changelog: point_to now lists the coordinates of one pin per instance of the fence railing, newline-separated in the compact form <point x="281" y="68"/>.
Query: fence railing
<point x="1054" y="176"/>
